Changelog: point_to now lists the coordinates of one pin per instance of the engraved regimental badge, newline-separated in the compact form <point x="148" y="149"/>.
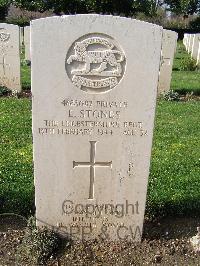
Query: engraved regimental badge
<point x="4" y="36"/>
<point x="95" y="63"/>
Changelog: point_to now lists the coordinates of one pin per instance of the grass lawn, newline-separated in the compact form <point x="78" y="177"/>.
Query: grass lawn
<point x="25" y="76"/>
<point x="184" y="81"/>
<point x="25" y="72"/>
<point x="174" y="177"/>
<point x="16" y="166"/>
<point x="175" y="169"/>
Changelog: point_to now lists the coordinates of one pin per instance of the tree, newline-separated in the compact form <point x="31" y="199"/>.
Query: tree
<point x="4" y="5"/>
<point x="88" y="6"/>
<point x="37" y="5"/>
<point x="195" y="24"/>
<point x="148" y="7"/>
<point x="184" y="7"/>
<point x="117" y="7"/>
<point x="112" y="6"/>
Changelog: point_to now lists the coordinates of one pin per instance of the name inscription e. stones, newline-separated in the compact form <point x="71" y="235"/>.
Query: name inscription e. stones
<point x="69" y="119"/>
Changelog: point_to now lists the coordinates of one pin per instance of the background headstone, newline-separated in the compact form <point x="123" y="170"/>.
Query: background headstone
<point x="190" y="43"/>
<point x="195" y="46"/>
<point x="169" y="43"/>
<point x="198" y="55"/>
<point x="27" y="43"/>
<point x="9" y="57"/>
<point x="94" y="86"/>
<point x="21" y="31"/>
<point x="185" y="40"/>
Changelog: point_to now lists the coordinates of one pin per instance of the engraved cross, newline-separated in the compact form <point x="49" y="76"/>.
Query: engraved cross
<point x="92" y="164"/>
<point x="4" y="65"/>
<point x="3" y="48"/>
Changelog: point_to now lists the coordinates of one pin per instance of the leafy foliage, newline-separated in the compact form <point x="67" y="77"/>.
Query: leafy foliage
<point x="171" y="96"/>
<point x="195" y="24"/>
<point x="176" y="22"/>
<point x="4" y="5"/>
<point x="126" y="7"/>
<point x="149" y="8"/>
<point x="38" y="5"/>
<point x="21" y="21"/>
<point x="188" y="64"/>
<point x="184" y="7"/>
<point x="4" y="91"/>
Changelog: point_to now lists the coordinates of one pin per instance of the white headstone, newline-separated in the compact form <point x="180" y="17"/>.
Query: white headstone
<point x="198" y="55"/>
<point x="190" y="43"/>
<point x="94" y="85"/>
<point x="169" y="43"/>
<point x="27" y="43"/>
<point x="21" y="31"/>
<point x="187" y="41"/>
<point x="185" y="38"/>
<point x="195" y="46"/>
<point x="9" y="57"/>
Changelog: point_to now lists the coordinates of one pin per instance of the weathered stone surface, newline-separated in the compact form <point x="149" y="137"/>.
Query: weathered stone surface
<point x="94" y="85"/>
<point x="169" y="43"/>
<point x="9" y="56"/>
